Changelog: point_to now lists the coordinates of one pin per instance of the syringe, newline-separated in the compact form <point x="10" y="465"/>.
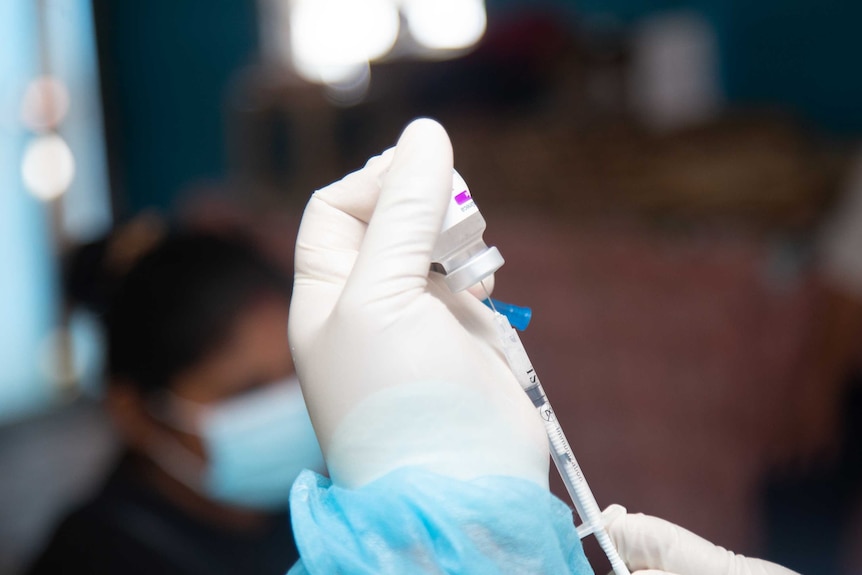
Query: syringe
<point x="585" y="503"/>
<point x="464" y="259"/>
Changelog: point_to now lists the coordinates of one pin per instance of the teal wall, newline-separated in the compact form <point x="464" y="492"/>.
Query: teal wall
<point x="167" y="68"/>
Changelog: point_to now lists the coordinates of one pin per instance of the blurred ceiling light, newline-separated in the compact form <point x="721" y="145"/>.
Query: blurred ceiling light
<point x="45" y="103"/>
<point x="446" y="24"/>
<point x="48" y="166"/>
<point x="330" y="39"/>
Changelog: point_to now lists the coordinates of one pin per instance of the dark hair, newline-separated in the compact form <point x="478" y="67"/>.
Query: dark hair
<point x="179" y="302"/>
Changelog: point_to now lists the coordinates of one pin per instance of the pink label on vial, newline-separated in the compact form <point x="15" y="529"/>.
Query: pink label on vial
<point x="463" y="197"/>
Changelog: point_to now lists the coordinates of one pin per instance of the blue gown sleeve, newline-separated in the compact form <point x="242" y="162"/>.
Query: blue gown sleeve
<point x="417" y="522"/>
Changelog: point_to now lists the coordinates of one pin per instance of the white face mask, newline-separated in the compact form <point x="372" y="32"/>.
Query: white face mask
<point x="256" y="445"/>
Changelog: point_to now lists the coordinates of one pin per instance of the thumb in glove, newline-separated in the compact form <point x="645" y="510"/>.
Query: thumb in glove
<point x="650" y="545"/>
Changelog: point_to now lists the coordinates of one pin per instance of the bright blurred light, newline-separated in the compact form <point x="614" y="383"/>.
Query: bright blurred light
<point x="331" y="39"/>
<point x="45" y="103"/>
<point x="446" y="24"/>
<point x="48" y="166"/>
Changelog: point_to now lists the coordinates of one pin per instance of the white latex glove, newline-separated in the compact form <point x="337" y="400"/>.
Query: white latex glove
<point x="396" y="370"/>
<point x="653" y="546"/>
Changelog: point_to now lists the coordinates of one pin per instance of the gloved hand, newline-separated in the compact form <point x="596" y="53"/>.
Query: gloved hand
<point x="396" y="370"/>
<point x="653" y="546"/>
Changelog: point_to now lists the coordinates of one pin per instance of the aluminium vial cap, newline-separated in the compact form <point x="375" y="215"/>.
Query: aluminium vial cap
<point x="474" y="270"/>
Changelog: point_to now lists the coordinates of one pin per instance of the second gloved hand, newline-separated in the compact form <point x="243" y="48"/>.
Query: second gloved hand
<point x="650" y="545"/>
<point x="396" y="370"/>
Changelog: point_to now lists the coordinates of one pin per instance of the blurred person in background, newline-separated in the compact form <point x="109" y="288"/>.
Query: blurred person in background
<point x="202" y="391"/>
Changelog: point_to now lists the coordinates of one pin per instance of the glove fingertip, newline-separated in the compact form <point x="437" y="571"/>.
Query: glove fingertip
<point x="613" y="512"/>
<point x="423" y="128"/>
<point x="422" y="140"/>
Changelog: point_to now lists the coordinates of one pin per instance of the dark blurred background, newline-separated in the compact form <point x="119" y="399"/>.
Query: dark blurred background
<point x="673" y="185"/>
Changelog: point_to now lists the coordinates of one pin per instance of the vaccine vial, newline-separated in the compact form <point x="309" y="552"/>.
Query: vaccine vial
<point x="461" y="254"/>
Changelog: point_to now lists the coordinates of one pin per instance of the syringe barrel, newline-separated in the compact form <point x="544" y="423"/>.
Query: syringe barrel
<point x="569" y="469"/>
<point x="578" y="488"/>
<point x="573" y="478"/>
